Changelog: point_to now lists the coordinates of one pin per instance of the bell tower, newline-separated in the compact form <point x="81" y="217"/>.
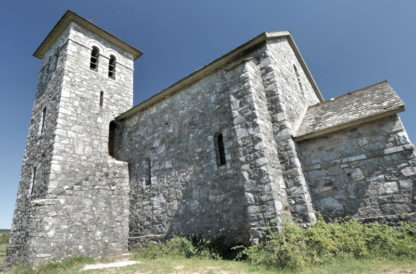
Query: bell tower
<point x="73" y="196"/>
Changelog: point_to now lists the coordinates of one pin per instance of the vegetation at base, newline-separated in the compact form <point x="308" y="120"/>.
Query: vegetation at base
<point x="294" y="248"/>
<point x="324" y="242"/>
<point x="4" y="241"/>
<point x="71" y="265"/>
<point x="339" y="246"/>
<point x="192" y="247"/>
<point x="4" y="238"/>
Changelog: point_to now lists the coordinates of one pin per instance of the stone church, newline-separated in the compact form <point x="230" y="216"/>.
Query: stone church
<point x="242" y="142"/>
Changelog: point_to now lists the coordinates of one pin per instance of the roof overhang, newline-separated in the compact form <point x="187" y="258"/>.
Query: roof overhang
<point x="219" y="63"/>
<point x="354" y="108"/>
<point x="350" y="124"/>
<point x="69" y="17"/>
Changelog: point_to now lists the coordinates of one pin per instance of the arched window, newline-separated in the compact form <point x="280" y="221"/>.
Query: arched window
<point x="112" y="67"/>
<point x="101" y="99"/>
<point x="111" y="138"/>
<point x="95" y="54"/>
<point x="42" y="121"/>
<point x="219" y="149"/>
<point x="298" y="77"/>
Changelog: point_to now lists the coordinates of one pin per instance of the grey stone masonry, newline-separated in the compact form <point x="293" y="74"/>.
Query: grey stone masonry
<point x="368" y="172"/>
<point x="242" y="143"/>
<point x="260" y="167"/>
<point x="73" y="196"/>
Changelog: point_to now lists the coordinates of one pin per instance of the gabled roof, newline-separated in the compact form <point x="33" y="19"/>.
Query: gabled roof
<point x="356" y="107"/>
<point x="218" y="63"/>
<point x="68" y="17"/>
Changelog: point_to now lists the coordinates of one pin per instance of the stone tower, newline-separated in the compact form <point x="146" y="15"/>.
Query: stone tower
<point x="73" y="196"/>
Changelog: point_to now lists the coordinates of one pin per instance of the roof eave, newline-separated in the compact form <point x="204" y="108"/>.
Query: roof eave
<point x="68" y="17"/>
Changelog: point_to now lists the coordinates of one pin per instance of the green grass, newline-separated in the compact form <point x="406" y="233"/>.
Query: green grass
<point x="72" y="265"/>
<point x="4" y="240"/>
<point x="340" y="246"/>
<point x="170" y="264"/>
<point x="325" y="242"/>
<point x="391" y="265"/>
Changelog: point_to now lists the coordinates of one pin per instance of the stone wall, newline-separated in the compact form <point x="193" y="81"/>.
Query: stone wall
<point x="289" y="93"/>
<point x="83" y="207"/>
<point x="173" y="143"/>
<point x="177" y="187"/>
<point x="36" y="168"/>
<point x="368" y="171"/>
<point x="260" y="166"/>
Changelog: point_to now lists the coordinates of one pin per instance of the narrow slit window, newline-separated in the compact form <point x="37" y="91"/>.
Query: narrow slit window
<point x="148" y="179"/>
<point x="112" y="67"/>
<point x="111" y="138"/>
<point x="95" y="54"/>
<point x="101" y="99"/>
<point x="220" y="151"/>
<point x="32" y="181"/>
<point x="298" y="77"/>
<point x="42" y="121"/>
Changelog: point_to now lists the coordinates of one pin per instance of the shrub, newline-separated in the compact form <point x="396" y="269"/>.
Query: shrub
<point x="294" y="247"/>
<point x="180" y="247"/>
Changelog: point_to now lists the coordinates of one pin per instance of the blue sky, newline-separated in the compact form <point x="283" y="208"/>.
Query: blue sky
<point x="346" y="44"/>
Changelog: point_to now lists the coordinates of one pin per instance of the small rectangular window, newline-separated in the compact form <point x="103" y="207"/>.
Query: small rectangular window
<point x="101" y="99"/>
<point x="148" y="179"/>
<point x="219" y="149"/>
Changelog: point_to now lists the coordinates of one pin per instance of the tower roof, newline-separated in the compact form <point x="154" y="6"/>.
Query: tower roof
<point x="68" y="17"/>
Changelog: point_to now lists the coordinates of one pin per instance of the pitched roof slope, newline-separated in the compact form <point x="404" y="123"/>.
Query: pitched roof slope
<point x="238" y="52"/>
<point x="356" y="107"/>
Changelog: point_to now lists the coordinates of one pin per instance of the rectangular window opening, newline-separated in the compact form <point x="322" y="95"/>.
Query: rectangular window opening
<point x="219" y="149"/>
<point x="101" y="98"/>
<point x="148" y="179"/>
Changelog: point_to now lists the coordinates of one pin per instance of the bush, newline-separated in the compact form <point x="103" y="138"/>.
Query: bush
<point x="294" y="247"/>
<point x="181" y="247"/>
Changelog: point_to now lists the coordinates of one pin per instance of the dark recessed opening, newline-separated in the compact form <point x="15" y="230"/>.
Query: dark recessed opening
<point x="95" y="53"/>
<point x="111" y="138"/>
<point x="148" y="167"/>
<point x="112" y="67"/>
<point x="101" y="98"/>
<point x="219" y="148"/>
